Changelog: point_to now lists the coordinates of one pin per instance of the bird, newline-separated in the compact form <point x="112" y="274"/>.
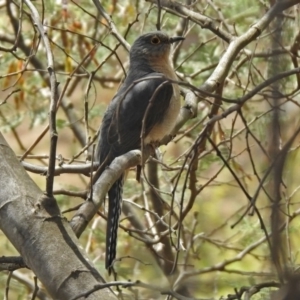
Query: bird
<point x="130" y="112"/>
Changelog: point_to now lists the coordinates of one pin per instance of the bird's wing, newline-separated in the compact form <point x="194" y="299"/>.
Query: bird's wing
<point x="122" y="123"/>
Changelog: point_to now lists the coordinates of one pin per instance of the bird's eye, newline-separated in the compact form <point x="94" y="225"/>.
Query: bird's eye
<point x="155" y="40"/>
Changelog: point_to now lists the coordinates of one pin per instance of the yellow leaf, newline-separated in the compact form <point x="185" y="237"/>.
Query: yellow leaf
<point x="68" y="65"/>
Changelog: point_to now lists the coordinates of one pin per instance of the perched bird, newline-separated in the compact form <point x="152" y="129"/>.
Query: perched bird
<point x="150" y="67"/>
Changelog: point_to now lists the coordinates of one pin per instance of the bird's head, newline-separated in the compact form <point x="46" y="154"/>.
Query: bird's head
<point x="153" y="46"/>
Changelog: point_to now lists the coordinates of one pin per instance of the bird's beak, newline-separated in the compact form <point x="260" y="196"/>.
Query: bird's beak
<point x="176" y="39"/>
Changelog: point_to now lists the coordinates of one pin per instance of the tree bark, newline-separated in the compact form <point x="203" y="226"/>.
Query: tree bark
<point x="46" y="242"/>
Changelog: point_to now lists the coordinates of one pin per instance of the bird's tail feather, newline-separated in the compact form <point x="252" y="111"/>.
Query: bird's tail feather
<point x="114" y="212"/>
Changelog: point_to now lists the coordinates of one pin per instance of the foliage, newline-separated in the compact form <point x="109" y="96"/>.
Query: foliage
<point x="217" y="177"/>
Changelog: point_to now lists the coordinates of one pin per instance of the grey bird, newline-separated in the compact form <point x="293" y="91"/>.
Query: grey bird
<point x="150" y="67"/>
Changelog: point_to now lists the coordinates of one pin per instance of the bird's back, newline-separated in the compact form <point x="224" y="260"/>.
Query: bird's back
<point x="122" y="123"/>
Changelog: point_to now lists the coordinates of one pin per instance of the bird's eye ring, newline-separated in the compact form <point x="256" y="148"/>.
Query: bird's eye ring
<point x="155" y="40"/>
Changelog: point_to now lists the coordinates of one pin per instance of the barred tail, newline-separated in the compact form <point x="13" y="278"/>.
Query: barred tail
<point x="114" y="212"/>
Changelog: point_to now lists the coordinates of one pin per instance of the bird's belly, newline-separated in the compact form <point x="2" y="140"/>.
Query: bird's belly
<point x="159" y="131"/>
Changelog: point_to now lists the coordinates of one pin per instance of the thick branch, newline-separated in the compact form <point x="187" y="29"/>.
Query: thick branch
<point x="33" y="224"/>
<point x="101" y="187"/>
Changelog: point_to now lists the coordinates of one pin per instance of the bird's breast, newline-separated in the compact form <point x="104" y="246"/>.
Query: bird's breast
<point x="160" y="130"/>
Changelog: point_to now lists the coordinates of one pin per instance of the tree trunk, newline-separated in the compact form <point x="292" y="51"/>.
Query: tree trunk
<point x="46" y="242"/>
